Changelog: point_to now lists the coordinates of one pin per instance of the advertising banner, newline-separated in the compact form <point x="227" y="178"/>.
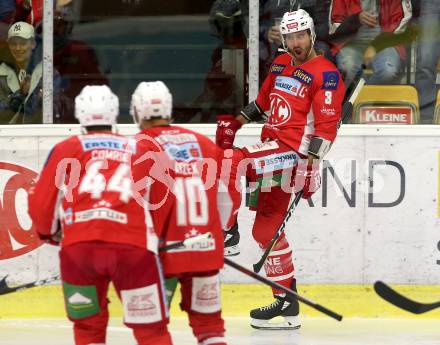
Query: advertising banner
<point x="376" y="215"/>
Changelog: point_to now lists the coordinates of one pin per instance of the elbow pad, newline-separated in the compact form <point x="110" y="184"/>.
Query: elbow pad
<point x="253" y="113"/>
<point x="319" y="147"/>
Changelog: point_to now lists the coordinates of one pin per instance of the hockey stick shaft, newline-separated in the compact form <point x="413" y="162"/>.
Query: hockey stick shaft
<point x="392" y="296"/>
<point x="347" y="109"/>
<point x="5" y="289"/>
<point x="187" y="243"/>
<point x="288" y="291"/>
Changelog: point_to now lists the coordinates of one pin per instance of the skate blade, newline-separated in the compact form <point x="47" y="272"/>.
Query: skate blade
<point x="232" y="251"/>
<point x="287" y="323"/>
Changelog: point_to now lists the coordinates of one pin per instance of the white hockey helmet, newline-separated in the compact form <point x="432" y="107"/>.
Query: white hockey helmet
<point x="149" y="100"/>
<point x="296" y="21"/>
<point x="96" y="105"/>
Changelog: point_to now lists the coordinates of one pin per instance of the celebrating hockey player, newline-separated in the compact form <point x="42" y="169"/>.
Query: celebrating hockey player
<point x="84" y="194"/>
<point x="300" y="101"/>
<point x="185" y="200"/>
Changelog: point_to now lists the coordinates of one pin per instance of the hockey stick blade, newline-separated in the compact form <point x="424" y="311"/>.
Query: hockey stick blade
<point x="187" y="243"/>
<point x="257" y="267"/>
<point x="288" y="291"/>
<point x="5" y="289"/>
<point x="395" y="298"/>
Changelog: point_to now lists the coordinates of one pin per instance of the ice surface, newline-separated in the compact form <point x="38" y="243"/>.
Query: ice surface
<point x="315" y="331"/>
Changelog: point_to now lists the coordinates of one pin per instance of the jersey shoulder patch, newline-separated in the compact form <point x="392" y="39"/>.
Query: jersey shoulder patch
<point x="277" y="68"/>
<point x="330" y="80"/>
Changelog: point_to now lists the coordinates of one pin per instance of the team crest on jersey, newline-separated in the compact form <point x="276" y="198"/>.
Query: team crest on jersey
<point x="183" y="152"/>
<point x="330" y="80"/>
<point x="277" y="68"/>
<point x="280" y="111"/>
<point x="302" y="76"/>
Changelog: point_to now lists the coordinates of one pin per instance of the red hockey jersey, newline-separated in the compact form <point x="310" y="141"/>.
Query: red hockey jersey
<point x="301" y="101"/>
<point x="184" y="195"/>
<point x="86" y="186"/>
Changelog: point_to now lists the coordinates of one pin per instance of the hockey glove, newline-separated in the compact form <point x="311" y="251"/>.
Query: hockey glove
<point x="307" y="178"/>
<point x="53" y="239"/>
<point x="227" y="126"/>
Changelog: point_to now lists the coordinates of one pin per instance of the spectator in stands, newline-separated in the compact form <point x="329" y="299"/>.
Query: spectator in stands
<point x="271" y="11"/>
<point x="428" y="55"/>
<point x="222" y="93"/>
<point x="21" y="82"/>
<point x="361" y="35"/>
<point x="30" y="11"/>
<point x="7" y="9"/>
<point x="76" y="63"/>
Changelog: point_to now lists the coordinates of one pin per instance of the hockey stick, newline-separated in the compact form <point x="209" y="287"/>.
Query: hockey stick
<point x="347" y="108"/>
<point x="187" y="243"/>
<point x="288" y="291"/>
<point x="5" y="288"/>
<point x="393" y="297"/>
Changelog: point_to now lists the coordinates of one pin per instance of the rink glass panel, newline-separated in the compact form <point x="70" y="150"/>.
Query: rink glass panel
<point x="207" y="53"/>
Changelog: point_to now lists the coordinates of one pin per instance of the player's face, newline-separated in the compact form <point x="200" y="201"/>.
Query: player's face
<point x="299" y="45"/>
<point x="21" y="49"/>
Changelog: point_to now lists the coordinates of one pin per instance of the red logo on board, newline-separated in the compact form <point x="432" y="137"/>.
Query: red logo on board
<point x="17" y="235"/>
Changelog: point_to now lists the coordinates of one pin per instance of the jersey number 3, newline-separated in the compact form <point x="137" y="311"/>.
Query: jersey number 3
<point x="328" y="97"/>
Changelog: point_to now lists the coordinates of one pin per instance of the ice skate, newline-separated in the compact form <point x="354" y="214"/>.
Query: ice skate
<point x="231" y="240"/>
<point x="282" y="314"/>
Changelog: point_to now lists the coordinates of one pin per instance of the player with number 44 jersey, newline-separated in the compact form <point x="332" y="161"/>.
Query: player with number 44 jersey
<point x="85" y="199"/>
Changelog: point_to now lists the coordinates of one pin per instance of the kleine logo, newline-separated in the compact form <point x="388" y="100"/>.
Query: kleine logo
<point x="386" y="115"/>
<point x="15" y="240"/>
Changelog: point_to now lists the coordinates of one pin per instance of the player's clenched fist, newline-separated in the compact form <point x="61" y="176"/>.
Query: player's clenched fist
<point x="227" y="126"/>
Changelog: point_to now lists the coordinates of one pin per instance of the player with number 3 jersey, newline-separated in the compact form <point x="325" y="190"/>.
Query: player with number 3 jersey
<point x="300" y="102"/>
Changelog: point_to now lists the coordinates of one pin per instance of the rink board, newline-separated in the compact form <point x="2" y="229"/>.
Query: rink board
<point x="376" y="216"/>
<point x="237" y="300"/>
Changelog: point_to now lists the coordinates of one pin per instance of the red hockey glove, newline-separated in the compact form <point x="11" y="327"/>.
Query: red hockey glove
<point x="227" y="126"/>
<point x="307" y="178"/>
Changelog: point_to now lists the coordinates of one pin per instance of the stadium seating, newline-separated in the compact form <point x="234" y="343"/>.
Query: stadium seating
<point x="387" y="104"/>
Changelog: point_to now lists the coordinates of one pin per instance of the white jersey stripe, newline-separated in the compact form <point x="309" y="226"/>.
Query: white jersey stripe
<point x="278" y="278"/>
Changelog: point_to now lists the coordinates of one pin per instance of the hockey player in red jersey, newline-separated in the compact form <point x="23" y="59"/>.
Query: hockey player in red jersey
<point x="84" y="195"/>
<point x="300" y="101"/>
<point x="186" y="200"/>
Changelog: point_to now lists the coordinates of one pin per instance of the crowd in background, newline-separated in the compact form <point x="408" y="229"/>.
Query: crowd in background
<point x="386" y="41"/>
